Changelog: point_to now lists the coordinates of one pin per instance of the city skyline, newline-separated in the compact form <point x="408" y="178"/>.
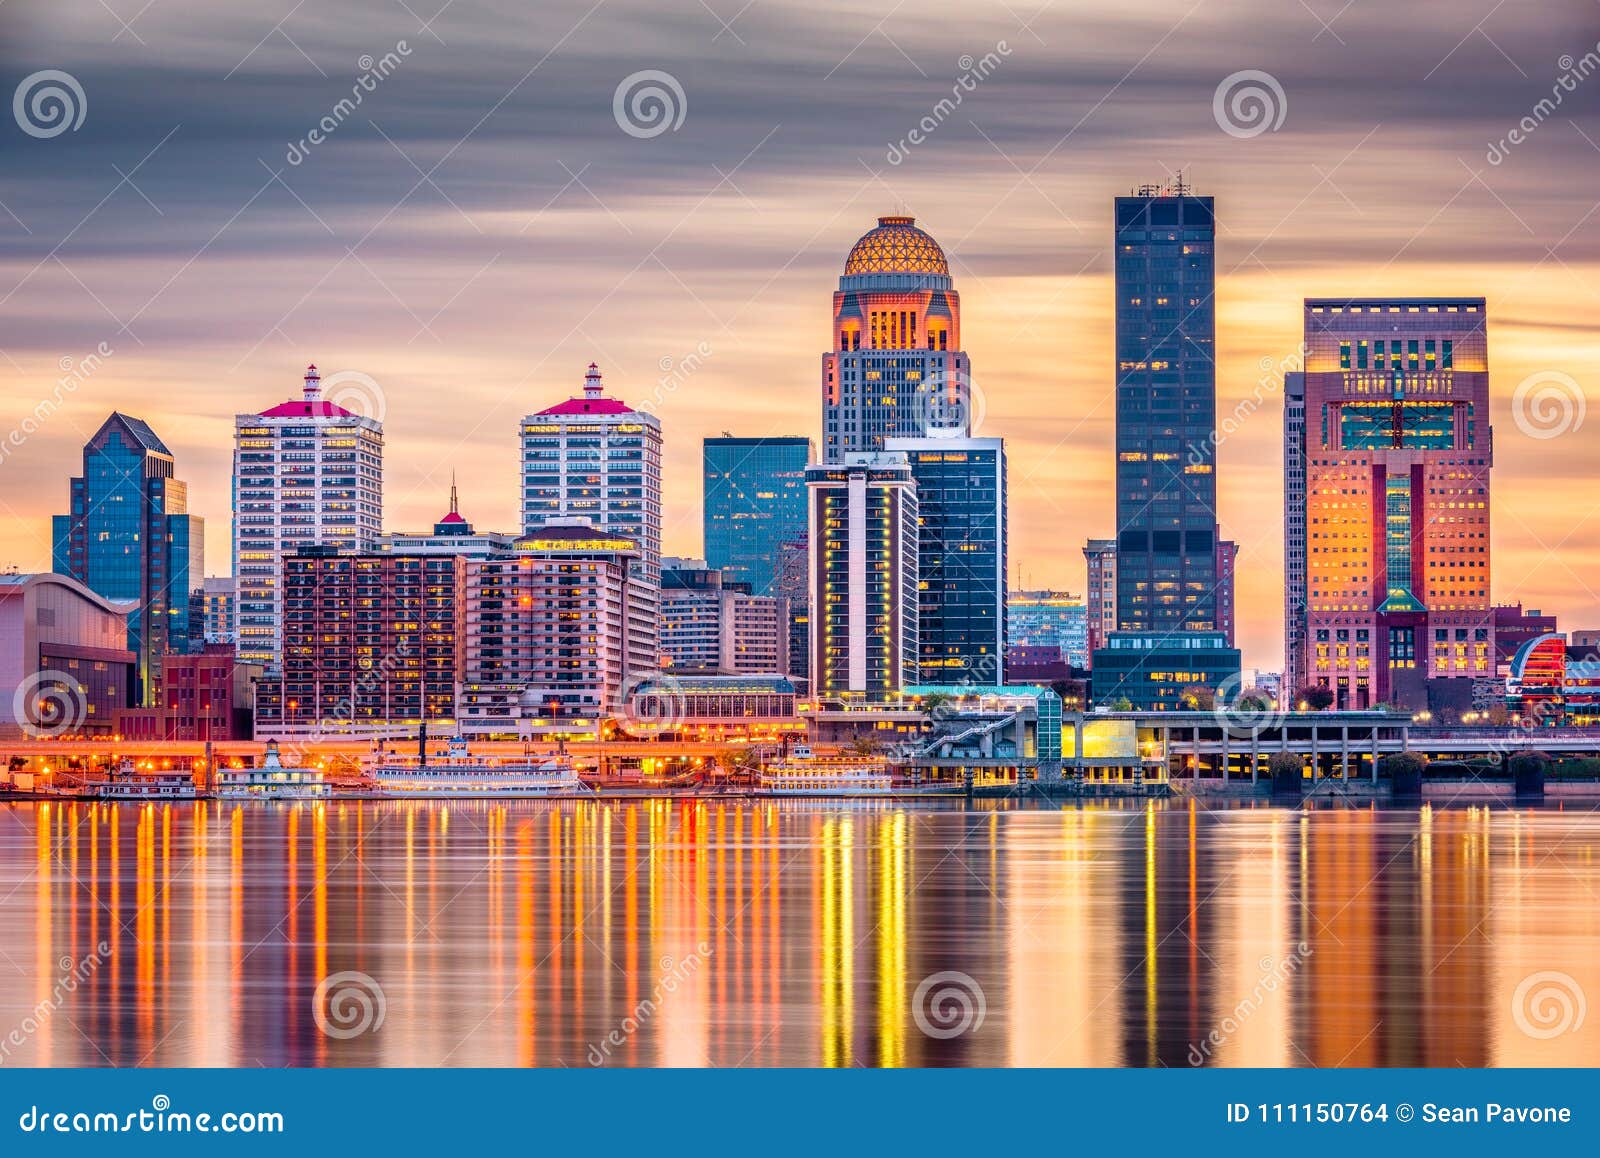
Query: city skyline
<point x="739" y="265"/>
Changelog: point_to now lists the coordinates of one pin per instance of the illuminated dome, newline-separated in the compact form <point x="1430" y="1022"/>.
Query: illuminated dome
<point x="896" y="246"/>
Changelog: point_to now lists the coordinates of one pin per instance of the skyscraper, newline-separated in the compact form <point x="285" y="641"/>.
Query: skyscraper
<point x="1398" y="451"/>
<point x="1168" y="635"/>
<point x="305" y="472"/>
<point x="1227" y="566"/>
<point x="129" y="537"/>
<point x="961" y="557"/>
<point x="755" y="502"/>
<point x="864" y="547"/>
<point x="596" y="458"/>
<point x="1100" y="558"/>
<point x="896" y="368"/>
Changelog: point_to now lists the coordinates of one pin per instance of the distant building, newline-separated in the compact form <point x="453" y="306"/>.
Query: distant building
<point x="65" y="665"/>
<point x="211" y="610"/>
<point x="206" y="696"/>
<point x="864" y="580"/>
<point x="896" y="369"/>
<point x="961" y="556"/>
<point x="129" y="537"/>
<point x="754" y="503"/>
<point x="1514" y="627"/>
<point x="1294" y="530"/>
<point x="1554" y="682"/>
<point x="1056" y="619"/>
<point x="1227" y="559"/>
<point x="1100" y="618"/>
<point x="1398" y="452"/>
<point x="597" y="458"/>
<point x="1152" y="672"/>
<point x="306" y="472"/>
<point x="1585" y="637"/>
<point x="711" y="624"/>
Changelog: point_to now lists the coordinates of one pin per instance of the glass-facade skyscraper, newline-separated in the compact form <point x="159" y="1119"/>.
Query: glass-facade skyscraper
<point x="961" y="557"/>
<point x="129" y="537"/>
<point x="755" y="504"/>
<point x="1166" y="412"/>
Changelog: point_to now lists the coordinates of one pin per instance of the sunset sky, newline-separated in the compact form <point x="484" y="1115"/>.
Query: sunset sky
<point x="481" y="227"/>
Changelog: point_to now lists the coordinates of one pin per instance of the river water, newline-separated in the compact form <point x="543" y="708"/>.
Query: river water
<point x="695" y="932"/>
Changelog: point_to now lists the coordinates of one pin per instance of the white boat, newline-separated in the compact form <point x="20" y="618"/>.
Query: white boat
<point x="456" y="772"/>
<point x="126" y="782"/>
<point x="272" y="781"/>
<point x="803" y="773"/>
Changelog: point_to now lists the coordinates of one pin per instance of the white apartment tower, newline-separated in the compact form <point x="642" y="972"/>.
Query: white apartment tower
<point x="596" y="458"/>
<point x="307" y="471"/>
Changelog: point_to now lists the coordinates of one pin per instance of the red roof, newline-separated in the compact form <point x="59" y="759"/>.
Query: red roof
<point x="589" y="406"/>
<point x="452" y="517"/>
<point x="299" y="408"/>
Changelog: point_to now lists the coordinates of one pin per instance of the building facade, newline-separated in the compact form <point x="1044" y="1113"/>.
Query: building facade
<point x="1294" y="531"/>
<point x="754" y="503"/>
<point x="598" y="459"/>
<point x="211" y="610"/>
<point x="368" y="639"/>
<point x="1398" y="455"/>
<point x="896" y="369"/>
<point x="712" y="624"/>
<point x="65" y="665"/>
<point x="1046" y="619"/>
<point x="1100" y="558"/>
<point x="1227" y="560"/>
<point x="306" y="472"/>
<point x="864" y="579"/>
<point x="206" y="695"/>
<point x="961" y="557"/>
<point x="129" y="538"/>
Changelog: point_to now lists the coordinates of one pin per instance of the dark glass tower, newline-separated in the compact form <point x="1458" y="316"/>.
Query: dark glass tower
<point x="755" y="504"/>
<point x="1166" y="412"/>
<point x="129" y="537"/>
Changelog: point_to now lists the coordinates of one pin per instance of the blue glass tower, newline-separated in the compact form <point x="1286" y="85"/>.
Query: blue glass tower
<point x="755" y="507"/>
<point x="129" y="537"/>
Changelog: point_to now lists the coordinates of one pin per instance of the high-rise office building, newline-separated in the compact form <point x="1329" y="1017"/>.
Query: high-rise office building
<point x="1227" y="567"/>
<point x="1168" y="635"/>
<point x="211" y="610"/>
<point x="896" y="369"/>
<point x="1294" y="531"/>
<point x="1100" y="557"/>
<point x="129" y="538"/>
<point x="755" y="502"/>
<point x="864" y="598"/>
<point x="961" y="557"/>
<point x="1398" y="452"/>
<point x="306" y="472"/>
<point x="596" y="458"/>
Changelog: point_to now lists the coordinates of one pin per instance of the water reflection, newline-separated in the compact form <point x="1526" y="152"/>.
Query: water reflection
<point x="692" y="933"/>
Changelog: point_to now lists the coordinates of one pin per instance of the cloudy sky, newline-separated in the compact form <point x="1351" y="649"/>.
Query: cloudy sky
<point x="482" y="225"/>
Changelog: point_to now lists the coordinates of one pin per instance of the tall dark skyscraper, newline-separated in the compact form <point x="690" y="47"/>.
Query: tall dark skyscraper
<point x="129" y="537"/>
<point x="1166" y="412"/>
<point x="1169" y="636"/>
<point x="755" y="503"/>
